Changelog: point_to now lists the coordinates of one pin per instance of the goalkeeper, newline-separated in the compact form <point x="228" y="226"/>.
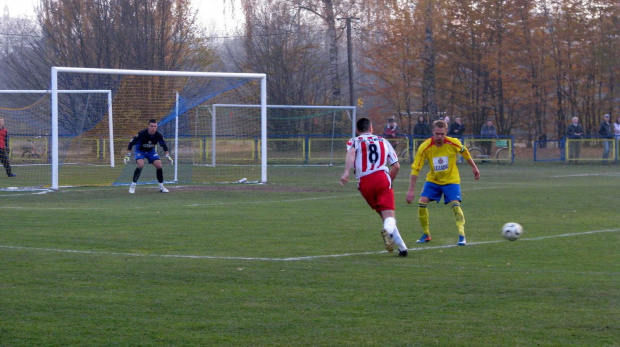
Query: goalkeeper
<point x="145" y="143"/>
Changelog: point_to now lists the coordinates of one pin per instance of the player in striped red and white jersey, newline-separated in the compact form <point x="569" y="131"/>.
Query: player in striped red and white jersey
<point x="370" y="155"/>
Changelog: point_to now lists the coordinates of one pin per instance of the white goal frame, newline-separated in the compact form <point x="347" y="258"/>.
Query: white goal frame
<point x="55" y="91"/>
<point x="214" y="108"/>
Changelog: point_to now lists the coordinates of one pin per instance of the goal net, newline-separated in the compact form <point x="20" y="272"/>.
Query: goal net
<point x="296" y="134"/>
<point x="27" y="118"/>
<point x="217" y="125"/>
<point x="82" y="151"/>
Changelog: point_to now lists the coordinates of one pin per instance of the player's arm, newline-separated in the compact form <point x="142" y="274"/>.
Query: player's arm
<point x="164" y="146"/>
<point x="393" y="161"/>
<point x="467" y="156"/>
<point x="411" y="191"/>
<point x="162" y="143"/>
<point x="348" y="164"/>
<point x="394" y="168"/>
<point x="472" y="163"/>
<point x="132" y="142"/>
<point x="418" y="162"/>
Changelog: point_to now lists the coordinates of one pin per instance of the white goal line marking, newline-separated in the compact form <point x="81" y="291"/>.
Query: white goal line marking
<point x="181" y="256"/>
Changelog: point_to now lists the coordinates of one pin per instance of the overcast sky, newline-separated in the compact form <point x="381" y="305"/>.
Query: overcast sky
<point x="209" y="11"/>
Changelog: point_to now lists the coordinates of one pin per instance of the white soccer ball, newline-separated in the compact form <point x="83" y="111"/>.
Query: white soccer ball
<point x="512" y="231"/>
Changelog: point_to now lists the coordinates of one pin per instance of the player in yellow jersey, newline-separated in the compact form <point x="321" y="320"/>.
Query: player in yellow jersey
<point x="443" y="178"/>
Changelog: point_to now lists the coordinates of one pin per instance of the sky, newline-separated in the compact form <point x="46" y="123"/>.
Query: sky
<point x="209" y="11"/>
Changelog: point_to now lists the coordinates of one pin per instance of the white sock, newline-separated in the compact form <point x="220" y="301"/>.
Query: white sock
<point x="389" y="224"/>
<point x="398" y="240"/>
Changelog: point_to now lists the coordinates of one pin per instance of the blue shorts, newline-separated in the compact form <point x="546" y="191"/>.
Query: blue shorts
<point x="151" y="155"/>
<point x="434" y="192"/>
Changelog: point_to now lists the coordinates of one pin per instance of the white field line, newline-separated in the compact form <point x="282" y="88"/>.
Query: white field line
<point x="587" y="175"/>
<point x="181" y="256"/>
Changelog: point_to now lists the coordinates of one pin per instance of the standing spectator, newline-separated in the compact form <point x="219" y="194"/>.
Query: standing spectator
<point x="617" y="134"/>
<point x="488" y="131"/>
<point x="146" y="142"/>
<point x="574" y="131"/>
<point x="421" y="130"/>
<point x="391" y="132"/>
<point x="457" y="129"/>
<point x="4" y="149"/>
<point x="369" y="155"/>
<point x="606" y="132"/>
<point x="443" y="178"/>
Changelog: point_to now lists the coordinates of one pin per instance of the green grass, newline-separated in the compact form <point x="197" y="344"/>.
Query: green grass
<point x="299" y="261"/>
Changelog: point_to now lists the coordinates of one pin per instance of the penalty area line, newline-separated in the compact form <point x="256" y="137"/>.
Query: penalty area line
<point x="181" y="256"/>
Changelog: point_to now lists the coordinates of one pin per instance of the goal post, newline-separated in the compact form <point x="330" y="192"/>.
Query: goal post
<point x="134" y="90"/>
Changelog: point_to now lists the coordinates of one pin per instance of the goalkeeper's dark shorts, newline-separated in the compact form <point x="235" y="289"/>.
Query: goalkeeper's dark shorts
<point x="151" y="155"/>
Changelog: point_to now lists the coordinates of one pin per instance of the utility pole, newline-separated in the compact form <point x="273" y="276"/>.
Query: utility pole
<point x="352" y="101"/>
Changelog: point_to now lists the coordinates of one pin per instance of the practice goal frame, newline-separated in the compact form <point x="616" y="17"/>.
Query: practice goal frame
<point x="80" y="91"/>
<point x="350" y="110"/>
<point x="55" y="71"/>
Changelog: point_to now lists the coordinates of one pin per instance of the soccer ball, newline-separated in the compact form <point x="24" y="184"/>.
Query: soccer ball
<point x="512" y="231"/>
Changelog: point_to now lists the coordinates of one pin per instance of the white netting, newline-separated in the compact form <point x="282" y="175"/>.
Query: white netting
<point x="297" y="135"/>
<point x="79" y="151"/>
<point x="27" y="119"/>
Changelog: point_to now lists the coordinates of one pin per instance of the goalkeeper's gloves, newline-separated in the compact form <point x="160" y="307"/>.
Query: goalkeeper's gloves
<point x="170" y="158"/>
<point x="127" y="158"/>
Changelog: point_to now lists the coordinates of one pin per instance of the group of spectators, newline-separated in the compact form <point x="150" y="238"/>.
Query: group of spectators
<point x="606" y="130"/>
<point x="423" y="130"/>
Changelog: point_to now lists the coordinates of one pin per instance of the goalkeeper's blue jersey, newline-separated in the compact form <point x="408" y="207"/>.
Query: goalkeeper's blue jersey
<point x="146" y="142"/>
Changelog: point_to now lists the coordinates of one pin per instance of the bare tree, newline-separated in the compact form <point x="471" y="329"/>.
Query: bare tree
<point x="278" y="42"/>
<point x="18" y="38"/>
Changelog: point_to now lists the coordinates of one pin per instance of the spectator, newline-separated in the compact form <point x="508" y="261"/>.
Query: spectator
<point x="421" y="130"/>
<point x="617" y="128"/>
<point x="457" y="129"/>
<point x="606" y="132"/>
<point x="391" y="132"/>
<point x="4" y="149"/>
<point x="574" y="131"/>
<point x="488" y="131"/>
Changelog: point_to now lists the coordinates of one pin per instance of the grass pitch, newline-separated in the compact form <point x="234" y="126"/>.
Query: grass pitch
<point x="300" y="262"/>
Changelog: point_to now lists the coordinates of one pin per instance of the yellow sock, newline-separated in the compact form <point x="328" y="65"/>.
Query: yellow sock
<point x="423" y="214"/>
<point x="459" y="217"/>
